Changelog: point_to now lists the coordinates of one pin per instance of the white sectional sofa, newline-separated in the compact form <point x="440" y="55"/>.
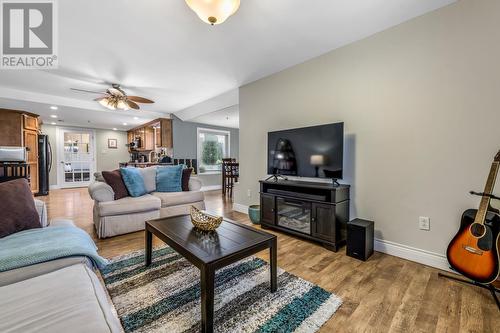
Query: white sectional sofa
<point x="117" y="217"/>
<point x="62" y="295"/>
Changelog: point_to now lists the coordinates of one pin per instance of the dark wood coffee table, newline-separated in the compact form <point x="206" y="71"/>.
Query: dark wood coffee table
<point x="210" y="251"/>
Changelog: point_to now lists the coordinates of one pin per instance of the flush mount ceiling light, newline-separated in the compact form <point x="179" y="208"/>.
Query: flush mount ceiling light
<point x="214" y="11"/>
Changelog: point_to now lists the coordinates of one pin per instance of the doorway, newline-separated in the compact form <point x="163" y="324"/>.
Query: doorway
<point x="76" y="162"/>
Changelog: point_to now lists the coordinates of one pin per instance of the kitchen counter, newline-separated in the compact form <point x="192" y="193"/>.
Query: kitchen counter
<point x="142" y="164"/>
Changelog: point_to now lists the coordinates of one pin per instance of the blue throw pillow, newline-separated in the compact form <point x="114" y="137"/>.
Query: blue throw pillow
<point x="169" y="179"/>
<point x="134" y="182"/>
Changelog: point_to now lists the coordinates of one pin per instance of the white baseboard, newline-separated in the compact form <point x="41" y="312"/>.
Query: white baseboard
<point x="240" y="208"/>
<point x="421" y="256"/>
<point x="424" y="257"/>
<point x="211" y="188"/>
<point x="54" y="187"/>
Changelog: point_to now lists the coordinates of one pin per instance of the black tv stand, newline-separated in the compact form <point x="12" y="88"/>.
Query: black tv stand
<point x="276" y="177"/>
<point x="316" y="211"/>
<point x="335" y="182"/>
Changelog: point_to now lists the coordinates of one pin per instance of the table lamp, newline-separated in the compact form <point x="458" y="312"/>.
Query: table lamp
<point x="317" y="161"/>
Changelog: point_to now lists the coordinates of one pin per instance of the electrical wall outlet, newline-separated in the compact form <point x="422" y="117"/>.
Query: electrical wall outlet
<point x="249" y="193"/>
<point x="424" y="223"/>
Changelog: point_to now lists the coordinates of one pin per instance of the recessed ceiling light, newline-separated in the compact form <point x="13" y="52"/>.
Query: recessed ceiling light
<point x="136" y="118"/>
<point x="125" y="124"/>
<point x="53" y="116"/>
<point x="53" y="107"/>
<point x="115" y="129"/>
<point x="53" y="123"/>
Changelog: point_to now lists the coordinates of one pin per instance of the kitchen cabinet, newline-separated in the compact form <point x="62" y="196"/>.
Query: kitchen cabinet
<point x="149" y="138"/>
<point x="30" y="122"/>
<point x="157" y="137"/>
<point x="167" y="140"/>
<point x="155" y="134"/>
<point x="139" y="133"/>
<point x="31" y="144"/>
<point x="11" y="127"/>
<point x="20" y="129"/>
<point x="130" y="136"/>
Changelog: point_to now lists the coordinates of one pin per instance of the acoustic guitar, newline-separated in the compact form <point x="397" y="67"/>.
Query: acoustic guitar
<point x="473" y="252"/>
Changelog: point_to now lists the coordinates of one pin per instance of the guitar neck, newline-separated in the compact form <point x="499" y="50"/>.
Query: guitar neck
<point x="488" y="189"/>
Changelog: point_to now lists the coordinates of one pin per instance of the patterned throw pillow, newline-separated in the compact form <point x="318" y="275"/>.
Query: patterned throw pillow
<point x="169" y="178"/>
<point x="134" y="182"/>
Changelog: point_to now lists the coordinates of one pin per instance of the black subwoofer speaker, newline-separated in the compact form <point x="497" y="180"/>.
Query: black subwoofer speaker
<point x="360" y="239"/>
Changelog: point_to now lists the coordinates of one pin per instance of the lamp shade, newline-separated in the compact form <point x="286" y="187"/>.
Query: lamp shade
<point x="122" y="105"/>
<point x="317" y="160"/>
<point x="107" y="103"/>
<point x="214" y="11"/>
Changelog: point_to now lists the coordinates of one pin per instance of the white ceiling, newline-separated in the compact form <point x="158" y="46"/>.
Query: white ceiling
<point x="228" y="117"/>
<point x="80" y="117"/>
<point x="161" y="50"/>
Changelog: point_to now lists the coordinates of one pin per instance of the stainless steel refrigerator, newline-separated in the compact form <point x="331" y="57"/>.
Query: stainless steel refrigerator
<point x="44" y="164"/>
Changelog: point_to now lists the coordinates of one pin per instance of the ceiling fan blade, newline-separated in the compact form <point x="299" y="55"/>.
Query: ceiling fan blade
<point x="100" y="98"/>
<point x="133" y="105"/>
<point x="139" y="99"/>
<point x="88" y="91"/>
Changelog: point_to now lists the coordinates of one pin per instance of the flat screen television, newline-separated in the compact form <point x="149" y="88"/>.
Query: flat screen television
<point x="316" y="151"/>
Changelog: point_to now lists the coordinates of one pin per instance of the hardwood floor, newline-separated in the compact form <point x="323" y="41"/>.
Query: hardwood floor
<point x="383" y="294"/>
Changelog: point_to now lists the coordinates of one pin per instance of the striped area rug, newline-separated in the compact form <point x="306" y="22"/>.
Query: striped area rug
<point x="165" y="297"/>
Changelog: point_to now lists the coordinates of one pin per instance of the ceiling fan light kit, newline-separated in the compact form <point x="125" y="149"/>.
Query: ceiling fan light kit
<point x="106" y="103"/>
<point x="122" y="105"/>
<point x="114" y="103"/>
<point x="115" y="98"/>
<point x="214" y="11"/>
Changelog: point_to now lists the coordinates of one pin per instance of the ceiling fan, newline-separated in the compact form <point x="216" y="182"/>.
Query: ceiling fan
<point x="116" y="98"/>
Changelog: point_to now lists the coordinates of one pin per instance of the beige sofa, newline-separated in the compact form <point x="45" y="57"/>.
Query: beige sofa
<point x="70" y="299"/>
<point x="117" y="217"/>
<point x="63" y="295"/>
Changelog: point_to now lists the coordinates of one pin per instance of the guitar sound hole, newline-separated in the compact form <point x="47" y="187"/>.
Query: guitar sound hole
<point x="477" y="230"/>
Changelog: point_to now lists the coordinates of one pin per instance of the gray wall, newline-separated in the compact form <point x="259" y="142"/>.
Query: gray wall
<point x="109" y="159"/>
<point x="106" y="159"/>
<point x="185" y="141"/>
<point x="420" y="103"/>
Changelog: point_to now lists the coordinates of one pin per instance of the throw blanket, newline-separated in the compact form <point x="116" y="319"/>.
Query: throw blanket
<point x="35" y="246"/>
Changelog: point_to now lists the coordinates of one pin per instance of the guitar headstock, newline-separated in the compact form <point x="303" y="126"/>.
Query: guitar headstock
<point x="497" y="157"/>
